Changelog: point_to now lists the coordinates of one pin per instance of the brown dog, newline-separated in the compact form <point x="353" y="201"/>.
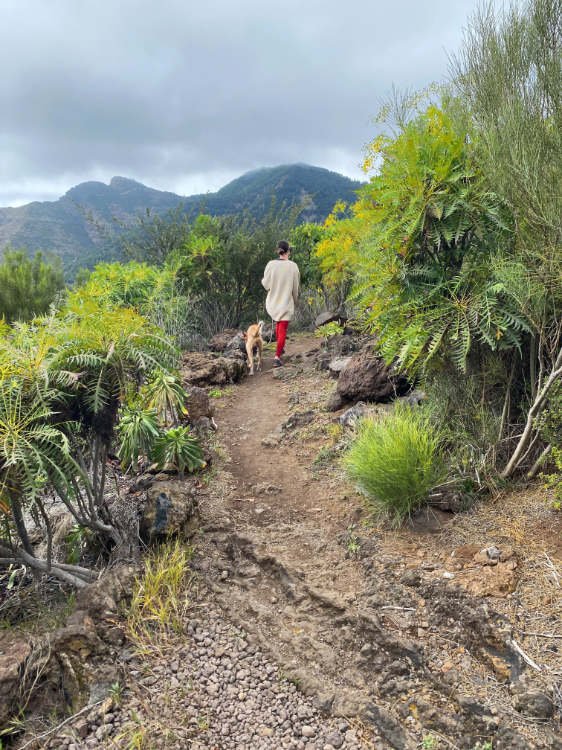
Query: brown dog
<point x="254" y="343"/>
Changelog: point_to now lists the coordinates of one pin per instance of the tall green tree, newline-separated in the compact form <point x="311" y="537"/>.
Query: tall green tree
<point x="509" y="77"/>
<point x="221" y="266"/>
<point x="63" y="378"/>
<point x="427" y="229"/>
<point x="154" y="237"/>
<point x="28" y="285"/>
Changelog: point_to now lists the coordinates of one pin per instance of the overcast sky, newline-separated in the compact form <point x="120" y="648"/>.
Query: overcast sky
<point x="185" y="96"/>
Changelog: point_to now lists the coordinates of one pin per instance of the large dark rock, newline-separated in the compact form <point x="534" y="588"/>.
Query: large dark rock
<point x="171" y="510"/>
<point x="335" y="402"/>
<point x="236" y="344"/>
<point x="337" y="365"/>
<point x="198" y="403"/>
<point x="220" y="341"/>
<point x="367" y="377"/>
<point x="342" y="345"/>
<point x="329" y="317"/>
<point x="206" y="368"/>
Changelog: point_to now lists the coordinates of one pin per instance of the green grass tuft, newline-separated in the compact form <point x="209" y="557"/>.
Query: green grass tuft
<point x="396" y="462"/>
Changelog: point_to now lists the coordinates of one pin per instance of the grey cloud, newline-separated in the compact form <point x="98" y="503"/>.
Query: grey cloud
<point x="159" y="91"/>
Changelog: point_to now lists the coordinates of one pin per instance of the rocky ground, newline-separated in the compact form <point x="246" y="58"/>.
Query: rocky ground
<point x="313" y="627"/>
<point x="216" y="690"/>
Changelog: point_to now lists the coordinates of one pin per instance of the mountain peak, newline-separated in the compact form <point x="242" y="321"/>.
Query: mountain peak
<point x="65" y="227"/>
<point x="124" y="183"/>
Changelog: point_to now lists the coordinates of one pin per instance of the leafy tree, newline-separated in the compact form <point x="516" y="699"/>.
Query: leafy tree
<point x="454" y="246"/>
<point x="62" y="379"/>
<point x="130" y="284"/>
<point x="429" y="248"/>
<point x="422" y="238"/>
<point x="28" y="285"/>
<point x="338" y="248"/>
<point x="509" y="77"/>
<point x="34" y="457"/>
<point x="154" y="237"/>
<point x="154" y="292"/>
<point x="221" y="267"/>
<point x="304" y="238"/>
<point x="318" y="292"/>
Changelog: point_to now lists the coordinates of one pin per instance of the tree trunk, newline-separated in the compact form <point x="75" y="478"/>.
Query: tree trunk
<point x="536" y="408"/>
<point x="35" y="563"/>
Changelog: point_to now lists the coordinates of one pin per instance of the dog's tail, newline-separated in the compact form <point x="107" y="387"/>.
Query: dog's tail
<point x="260" y="326"/>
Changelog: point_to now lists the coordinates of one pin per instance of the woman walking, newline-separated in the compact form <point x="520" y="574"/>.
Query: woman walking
<point x="281" y="279"/>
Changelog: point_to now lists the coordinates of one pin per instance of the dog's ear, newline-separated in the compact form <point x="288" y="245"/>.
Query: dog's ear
<point x="244" y="335"/>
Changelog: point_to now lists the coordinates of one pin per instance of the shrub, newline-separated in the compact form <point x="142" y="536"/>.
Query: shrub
<point x="134" y="285"/>
<point x="28" y="286"/>
<point x="396" y="461"/>
<point x="328" y="330"/>
<point x="180" y="448"/>
<point x="177" y="316"/>
<point x="137" y="429"/>
<point x="165" y="393"/>
<point x="471" y="422"/>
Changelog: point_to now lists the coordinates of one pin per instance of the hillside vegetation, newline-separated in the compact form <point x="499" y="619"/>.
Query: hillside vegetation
<point x="83" y="226"/>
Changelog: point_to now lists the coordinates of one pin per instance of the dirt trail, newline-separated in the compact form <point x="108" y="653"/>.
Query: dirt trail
<point x="370" y="624"/>
<point x="283" y="574"/>
<point x="395" y="639"/>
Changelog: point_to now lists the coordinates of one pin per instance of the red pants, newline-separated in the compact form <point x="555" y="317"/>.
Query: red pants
<point x="281" y="334"/>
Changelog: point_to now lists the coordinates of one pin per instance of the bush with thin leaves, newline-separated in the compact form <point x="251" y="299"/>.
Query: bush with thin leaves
<point x="28" y="286"/>
<point x="333" y="328"/>
<point x="396" y="462"/>
<point x="165" y="393"/>
<point x="137" y="430"/>
<point x="179" y="448"/>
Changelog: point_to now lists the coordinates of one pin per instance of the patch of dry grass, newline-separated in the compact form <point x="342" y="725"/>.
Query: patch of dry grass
<point x="160" y="597"/>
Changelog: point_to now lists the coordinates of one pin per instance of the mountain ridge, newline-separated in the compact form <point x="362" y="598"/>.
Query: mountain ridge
<point x="76" y="226"/>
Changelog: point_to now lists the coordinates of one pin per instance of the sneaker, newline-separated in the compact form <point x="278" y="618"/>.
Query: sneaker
<point x="277" y="362"/>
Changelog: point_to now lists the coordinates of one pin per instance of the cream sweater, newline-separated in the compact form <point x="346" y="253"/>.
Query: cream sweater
<point x="281" y="278"/>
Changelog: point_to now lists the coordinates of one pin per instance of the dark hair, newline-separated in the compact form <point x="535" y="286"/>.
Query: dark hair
<point x="283" y="247"/>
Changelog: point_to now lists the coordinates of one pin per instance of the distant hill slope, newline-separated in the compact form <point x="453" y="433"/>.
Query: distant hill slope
<point x="76" y="226"/>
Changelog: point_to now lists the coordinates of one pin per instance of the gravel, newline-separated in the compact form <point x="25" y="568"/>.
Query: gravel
<point x="216" y="691"/>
